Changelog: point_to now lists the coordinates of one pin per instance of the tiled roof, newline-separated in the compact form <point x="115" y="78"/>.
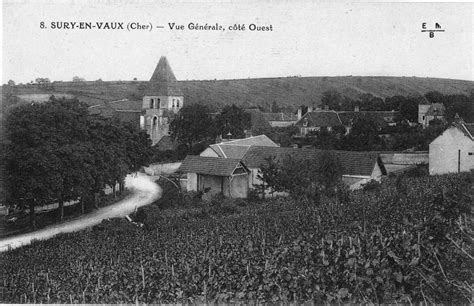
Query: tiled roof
<point x="320" y="119"/>
<point x="210" y="165"/>
<point x="436" y="109"/>
<point x="470" y="128"/>
<point x="279" y="117"/>
<point x="260" y="140"/>
<point x="230" y="151"/>
<point x="467" y="129"/>
<point x="353" y="163"/>
<point x="380" y="118"/>
<point x="163" y="82"/>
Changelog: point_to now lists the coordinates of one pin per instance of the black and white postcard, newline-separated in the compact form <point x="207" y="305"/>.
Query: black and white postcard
<point x="204" y="151"/>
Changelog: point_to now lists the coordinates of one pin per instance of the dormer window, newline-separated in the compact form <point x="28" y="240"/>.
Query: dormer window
<point x="305" y="122"/>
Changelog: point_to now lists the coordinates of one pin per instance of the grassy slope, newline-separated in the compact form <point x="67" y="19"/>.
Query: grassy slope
<point x="285" y="91"/>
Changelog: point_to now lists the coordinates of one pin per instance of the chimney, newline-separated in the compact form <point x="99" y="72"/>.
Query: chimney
<point x="298" y="116"/>
<point x="356" y="108"/>
<point x="219" y="138"/>
<point x="248" y="133"/>
<point x="310" y="109"/>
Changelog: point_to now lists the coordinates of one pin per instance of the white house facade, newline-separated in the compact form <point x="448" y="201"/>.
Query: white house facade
<point x="453" y="150"/>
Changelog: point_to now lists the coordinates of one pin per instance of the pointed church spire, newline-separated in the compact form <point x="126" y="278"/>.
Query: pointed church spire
<point x="163" y="72"/>
<point x="163" y="82"/>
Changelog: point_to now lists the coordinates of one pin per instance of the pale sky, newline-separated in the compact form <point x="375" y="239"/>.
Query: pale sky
<point x="308" y="39"/>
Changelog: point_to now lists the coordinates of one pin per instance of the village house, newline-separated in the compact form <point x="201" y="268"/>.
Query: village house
<point x="315" y="120"/>
<point x="453" y="150"/>
<point x="216" y="175"/>
<point x="430" y="111"/>
<point x="280" y="119"/>
<point x="381" y="119"/>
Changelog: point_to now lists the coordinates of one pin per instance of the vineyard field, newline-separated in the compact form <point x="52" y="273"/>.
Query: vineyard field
<point x="407" y="241"/>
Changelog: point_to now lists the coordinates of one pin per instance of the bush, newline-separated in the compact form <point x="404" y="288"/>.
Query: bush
<point x="148" y="215"/>
<point x="119" y="225"/>
<point x="171" y="193"/>
<point x="254" y="195"/>
<point x="219" y="205"/>
<point x="371" y="185"/>
<point x="419" y="170"/>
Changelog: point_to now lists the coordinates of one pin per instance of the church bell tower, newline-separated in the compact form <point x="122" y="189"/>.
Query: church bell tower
<point x="161" y="102"/>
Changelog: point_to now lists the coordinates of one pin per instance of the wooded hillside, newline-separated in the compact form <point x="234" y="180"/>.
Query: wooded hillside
<point x="288" y="91"/>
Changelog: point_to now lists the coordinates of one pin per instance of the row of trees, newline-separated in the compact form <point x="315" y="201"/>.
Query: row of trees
<point x="366" y="136"/>
<point x="58" y="152"/>
<point x="407" y="106"/>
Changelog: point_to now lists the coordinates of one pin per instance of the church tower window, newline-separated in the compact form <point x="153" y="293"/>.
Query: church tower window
<point x="151" y="103"/>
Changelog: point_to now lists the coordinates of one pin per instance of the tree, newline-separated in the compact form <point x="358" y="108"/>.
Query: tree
<point x="326" y="139"/>
<point x="283" y="135"/>
<point x="304" y="179"/>
<point x="192" y="125"/>
<point x="335" y="101"/>
<point x="409" y="109"/>
<point x="233" y="120"/>
<point x="59" y="152"/>
<point x="11" y="83"/>
<point x="362" y="137"/>
<point x="78" y="79"/>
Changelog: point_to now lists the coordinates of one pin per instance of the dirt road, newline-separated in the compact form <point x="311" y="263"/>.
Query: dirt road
<point x="144" y="190"/>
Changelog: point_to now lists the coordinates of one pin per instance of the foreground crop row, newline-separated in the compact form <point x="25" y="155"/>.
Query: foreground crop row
<point x="407" y="241"/>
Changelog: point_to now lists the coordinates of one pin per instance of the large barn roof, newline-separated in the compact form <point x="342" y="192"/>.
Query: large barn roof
<point x="352" y="162"/>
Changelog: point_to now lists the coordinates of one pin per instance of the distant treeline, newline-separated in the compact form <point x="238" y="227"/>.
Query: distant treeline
<point x="407" y="106"/>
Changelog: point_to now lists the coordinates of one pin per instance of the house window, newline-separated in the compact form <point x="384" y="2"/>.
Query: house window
<point x="177" y="103"/>
<point x="305" y="123"/>
<point x="151" y="103"/>
<point x="173" y="102"/>
<point x="470" y="153"/>
<point x="423" y="117"/>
